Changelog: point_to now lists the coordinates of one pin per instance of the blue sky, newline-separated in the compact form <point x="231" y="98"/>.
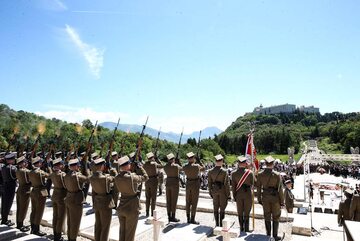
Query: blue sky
<point x="188" y="63"/>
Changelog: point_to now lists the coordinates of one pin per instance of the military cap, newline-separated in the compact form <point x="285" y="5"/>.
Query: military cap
<point x="123" y="161"/>
<point x="132" y="154"/>
<point x="349" y="191"/>
<point x="2" y="154"/>
<point x="20" y="160"/>
<point x="288" y="181"/>
<point x="190" y="154"/>
<point x="10" y="156"/>
<point x="269" y="159"/>
<point x="73" y="162"/>
<point x="36" y="160"/>
<point x="58" y="153"/>
<point x="149" y="155"/>
<point x="241" y="159"/>
<point x="170" y="156"/>
<point x="39" y="153"/>
<point x="94" y="155"/>
<point x="99" y="161"/>
<point x="57" y="161"/>
<point x="114" y="153"/>
<point x="219" y="157"/>
<point x="82" y="153"/>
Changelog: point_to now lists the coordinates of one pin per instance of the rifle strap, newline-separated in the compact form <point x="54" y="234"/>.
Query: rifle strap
<point x="242" y="179"/>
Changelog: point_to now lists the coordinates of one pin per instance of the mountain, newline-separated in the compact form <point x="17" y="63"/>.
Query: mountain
<point x="169" y="136"/>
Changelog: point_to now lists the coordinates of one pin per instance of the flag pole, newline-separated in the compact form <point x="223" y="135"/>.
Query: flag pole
<point x="252" y="161"/>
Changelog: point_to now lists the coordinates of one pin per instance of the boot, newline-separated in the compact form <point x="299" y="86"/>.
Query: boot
<point x="193" y="221"/>
<point x="246" y="224"/>
<point x="216" y="216"/>
<point x="32" y="229"/>
<point x="241" y="223"/>
<point x="169" y="217"/>
<point x="222" y="216"/>
<point x="268" y="228"/>
<point x="152" y="213"/>
<point x="21" y="227"/>
<point x="275" y="231"/>
<point x="38" y="232"/>
<point x="173" y="219"/>
<point x="147" y="213"/>
<point x="188" y="218"/>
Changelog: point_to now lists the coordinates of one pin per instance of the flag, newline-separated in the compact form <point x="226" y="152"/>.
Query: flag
<point x="250" y="151"/>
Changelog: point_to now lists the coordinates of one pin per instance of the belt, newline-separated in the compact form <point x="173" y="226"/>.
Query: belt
<point x="172" y="177"/>
<point x="75" y="192"/>
<point x="192" y="179"/>
<point x="153" y="176"/>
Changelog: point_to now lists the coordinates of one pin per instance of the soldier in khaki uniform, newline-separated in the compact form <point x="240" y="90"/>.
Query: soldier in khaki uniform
<point x="344" y="211"/>
<point x="127" y="183"/>
<point x="103" y="200"/>
<point x="355" y="208"/>
<point x="271" y="196"/>
<point x="38" y="195"/>
<point x="113" y="172"/>
<point x="74" y="182"/>
<point x="172" y="186"/>
<point x="219" y="189"/>
<point x="192" y="171"/>
<point x="22" y="193"/>
<point x="289" y="196"/>
<point x="58" y="198"/>
<point x="8" y="173"/>
<point x="151" y="167"/>
<point x="242" y="181"/>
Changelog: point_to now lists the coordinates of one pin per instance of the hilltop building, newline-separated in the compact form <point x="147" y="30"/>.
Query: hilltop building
<point x="285" y="108"/>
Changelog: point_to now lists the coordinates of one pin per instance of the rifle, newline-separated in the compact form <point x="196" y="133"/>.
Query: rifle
<point x="156" y="147"/>
<point x="177" y="160"/>
<point x="198" y="150"/>
<point x="111" y="145"/>
<point x="34" y="147"/>
<point x="137" y="159"/>
<point x="89" y="144"/>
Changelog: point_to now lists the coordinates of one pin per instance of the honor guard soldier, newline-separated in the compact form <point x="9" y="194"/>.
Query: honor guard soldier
<point x="151" y="185"/>
<point x="271" y="196"/>
<point x="192" y="171"/>
<point x="355" y="208"/>
<point x="103" y="200"/>
<point x="74" y="182"/>
<point x="172" y="171"/>
<point x="8" y="173"/>
<point x="242" y="181"/>
<point x="58" y="198"/>
<point x="289" y="196"/>
<point x="113" y="171"/>
<point x="127" y="183"/>
<point x="344" y="211"/>
<point x="219" y="189"/>
<point x="38" y="195"/>
<point x="22" y="193"/>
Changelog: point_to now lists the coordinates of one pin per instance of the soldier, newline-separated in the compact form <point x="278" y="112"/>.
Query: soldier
<point x="355" y="208"/>
<point x="289" y="196"/>
<point x="113" y="171"/>
<point x="172" y="186"/>
<point x="150" y="167"/>
<point x="22" y="193"/>
<point x="344" y="211"/>
<point x="38" y="195"/>
<point x="192" y="171"/>
<point x="74" y="182"/>
<point x="242" y="181"/>
<point x="271" y="196"/>
<point x="114" y="160"/>
<point x="160" y="181"/>
<point x="9" y="178"/>
<point x="103" y="200"/>
<point x="58" y="198"/>
<point x="127" y="183"/>
<point x="219" y="189"/>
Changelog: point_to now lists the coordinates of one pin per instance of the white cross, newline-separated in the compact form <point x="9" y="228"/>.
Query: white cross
<point x="226" y="231"/>
<point x="157" y="224"/>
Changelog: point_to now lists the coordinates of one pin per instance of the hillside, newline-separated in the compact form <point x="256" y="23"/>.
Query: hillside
<point x="335" y="132"/>
<point x="169" y="136"/>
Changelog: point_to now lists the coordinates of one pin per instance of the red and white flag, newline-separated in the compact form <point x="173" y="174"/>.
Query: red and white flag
<point x="250" y="152"/>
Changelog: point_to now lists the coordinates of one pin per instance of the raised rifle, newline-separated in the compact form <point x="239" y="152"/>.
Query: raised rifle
<point x="157" y="147"/>
<point x="89" y="144"/>
<point x="111" y="145"/>
<point x="198" y="157"/>
<point x="177" y="160"/>
<point x="137" y="159"/>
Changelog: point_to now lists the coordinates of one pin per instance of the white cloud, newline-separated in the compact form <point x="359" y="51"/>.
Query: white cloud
<point x="94" y="57"/>
<point x="77" y="115"/>
<point x="53" y="5"/>
<point x="60" y="4"/>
